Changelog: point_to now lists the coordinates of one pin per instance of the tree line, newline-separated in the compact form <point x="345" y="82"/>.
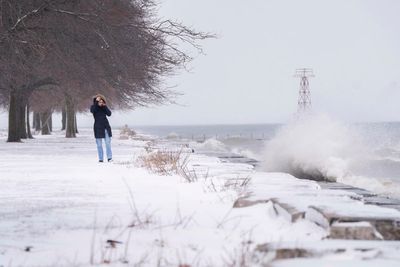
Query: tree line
<point x="56" y="54"/>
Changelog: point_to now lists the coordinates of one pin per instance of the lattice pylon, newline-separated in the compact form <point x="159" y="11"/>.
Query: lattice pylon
<point x="304" y="101"/>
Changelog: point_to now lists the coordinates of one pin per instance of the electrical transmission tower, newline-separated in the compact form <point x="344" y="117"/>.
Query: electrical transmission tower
<point x="304" y="102"/>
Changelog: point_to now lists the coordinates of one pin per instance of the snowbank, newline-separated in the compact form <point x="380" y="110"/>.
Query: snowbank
<point x="60" y="207"/>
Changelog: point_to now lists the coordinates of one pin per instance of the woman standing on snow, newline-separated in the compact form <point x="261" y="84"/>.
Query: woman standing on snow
<point x="102" y="129"/>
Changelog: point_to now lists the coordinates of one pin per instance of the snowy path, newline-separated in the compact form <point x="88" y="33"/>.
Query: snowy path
<point x="58" y="201"/>
<point x="52" y="189"/>
<point x="61" y="204"/>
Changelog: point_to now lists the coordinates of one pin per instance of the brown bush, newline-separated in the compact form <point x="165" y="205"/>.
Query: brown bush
<point x="168" y="163"/>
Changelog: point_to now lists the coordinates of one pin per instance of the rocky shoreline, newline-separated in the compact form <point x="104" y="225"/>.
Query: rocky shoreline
<point x="228" y="213"/>
<point x="365" y="218"/>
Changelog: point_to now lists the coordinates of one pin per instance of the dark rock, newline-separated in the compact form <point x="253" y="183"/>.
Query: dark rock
<point x="288" y="211"/>
<point x="387" y="228"/>
<point x="354" y="231"/>
<point x="290" y="253"/>
<point x="244" y="202"/>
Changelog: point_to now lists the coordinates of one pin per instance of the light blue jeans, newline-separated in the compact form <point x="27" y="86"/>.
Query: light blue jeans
<point x="99" y="142"/>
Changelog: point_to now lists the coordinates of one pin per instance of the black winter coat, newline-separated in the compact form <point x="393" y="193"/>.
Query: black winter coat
<point x="100" y="120"/>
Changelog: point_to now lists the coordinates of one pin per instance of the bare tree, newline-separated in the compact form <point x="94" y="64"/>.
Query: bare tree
<point x="74" y="49"/>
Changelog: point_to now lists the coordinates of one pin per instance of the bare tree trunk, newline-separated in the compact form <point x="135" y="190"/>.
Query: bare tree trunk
<point x="45" y="117"/>
<point x="22" y="118"/>
<point x="13" y="125"/>
<point x="36" y="118"/>
<point x="28" y="125"/>
<point x="76" y="124"/>
<point x="70" y="131"/>
<point x="51" y="121"/>
<point x="63" y="118"/>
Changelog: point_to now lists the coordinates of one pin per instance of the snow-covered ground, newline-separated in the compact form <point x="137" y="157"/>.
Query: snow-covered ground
<point x="60" y="207"/>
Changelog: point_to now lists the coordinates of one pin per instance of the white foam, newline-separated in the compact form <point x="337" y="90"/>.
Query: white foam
<point x="211" y="144"/>
<point x="246" y="153"/>
<point x="318" y="146"/>
<point x="314" y="144"/>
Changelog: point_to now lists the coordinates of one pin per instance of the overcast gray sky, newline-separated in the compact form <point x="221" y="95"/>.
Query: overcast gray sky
<point x="247" y="75"/>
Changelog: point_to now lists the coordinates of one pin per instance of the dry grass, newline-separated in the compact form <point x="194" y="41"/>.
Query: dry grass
<point x="168" y="163"/>
<point x="239" y="184"/>
<point x="242" y="255"/>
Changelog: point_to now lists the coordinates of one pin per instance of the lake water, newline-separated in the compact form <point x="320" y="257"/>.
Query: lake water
<point x="364" y="154"/>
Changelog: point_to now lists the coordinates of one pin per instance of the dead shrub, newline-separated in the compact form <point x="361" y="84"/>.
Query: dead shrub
<point x="167" y="162"/>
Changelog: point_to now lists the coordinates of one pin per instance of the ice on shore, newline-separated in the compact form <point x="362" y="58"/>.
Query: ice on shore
<point x="60" y="207"/>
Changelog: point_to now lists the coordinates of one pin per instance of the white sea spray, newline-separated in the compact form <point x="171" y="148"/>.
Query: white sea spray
<point x="315" y="146"/>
